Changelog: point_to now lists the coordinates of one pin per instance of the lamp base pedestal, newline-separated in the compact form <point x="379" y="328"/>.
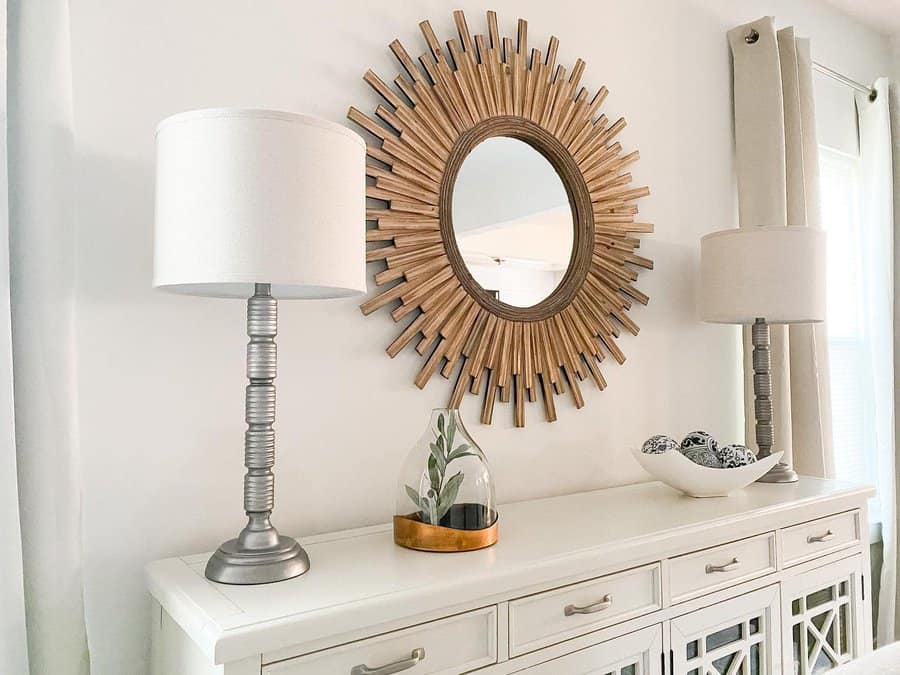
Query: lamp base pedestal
<point x="259" y="555"/>
<point x="780" y="473"/>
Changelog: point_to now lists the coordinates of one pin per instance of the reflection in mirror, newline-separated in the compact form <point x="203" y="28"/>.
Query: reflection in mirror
<point x="512" y="221"/>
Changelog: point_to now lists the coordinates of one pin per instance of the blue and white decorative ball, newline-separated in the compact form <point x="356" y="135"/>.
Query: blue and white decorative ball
<point x="733" y="456"/>
<point x="657" y="445"/>
<point x="701" y="448"/>
<point x="702" y="456"/>
<point x="699" y="439"/>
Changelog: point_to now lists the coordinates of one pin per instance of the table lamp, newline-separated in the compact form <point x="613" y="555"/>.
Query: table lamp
<point x="262" y="205"/>
<point x="760" y="276"/>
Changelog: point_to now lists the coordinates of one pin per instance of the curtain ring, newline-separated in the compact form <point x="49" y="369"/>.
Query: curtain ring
<point x="752" y="36"/>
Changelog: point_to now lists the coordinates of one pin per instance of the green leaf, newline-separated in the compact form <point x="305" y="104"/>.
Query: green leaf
<point x="475" y="450"/>
<point x="451" y="431"/>
<point x="429" y="511"/>
<point x="448" y="494"/>
<point x="434" y="475"/>
<point x="437" y="452"/>
<point x="414" y="496"/>
<point x="461" y="455"/>
<point x="465" y="450"/>
<point x="460" y="452"/>
<point x="441" y="422"/>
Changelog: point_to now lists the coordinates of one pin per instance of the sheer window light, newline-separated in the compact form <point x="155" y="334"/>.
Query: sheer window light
<point x="852" y="347"/>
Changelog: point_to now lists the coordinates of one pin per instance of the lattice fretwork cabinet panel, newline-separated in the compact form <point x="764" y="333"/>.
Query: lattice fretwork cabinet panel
<point x="740" y="636"/>
<point x="823" y="616"/>
<point x="638" y="653"/>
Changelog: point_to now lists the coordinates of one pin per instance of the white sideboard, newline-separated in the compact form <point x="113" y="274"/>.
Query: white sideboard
<point x="635" y="580"/>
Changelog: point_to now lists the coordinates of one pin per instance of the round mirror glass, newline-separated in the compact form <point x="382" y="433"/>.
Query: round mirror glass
<point x="512" y="221"/>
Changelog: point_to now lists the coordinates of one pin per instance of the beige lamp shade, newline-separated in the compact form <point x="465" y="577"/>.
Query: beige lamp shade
<point x="774" y="273"/>
<point x="259" y="196"/>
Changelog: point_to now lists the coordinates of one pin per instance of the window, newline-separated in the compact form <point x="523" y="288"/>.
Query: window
<point x="853" y="353"/>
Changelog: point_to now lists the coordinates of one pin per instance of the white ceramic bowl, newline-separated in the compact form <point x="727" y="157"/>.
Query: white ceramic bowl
<point x="677" y="471"/>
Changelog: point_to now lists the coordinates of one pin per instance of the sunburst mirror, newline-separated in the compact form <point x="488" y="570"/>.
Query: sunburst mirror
<point x="517" y="279"/>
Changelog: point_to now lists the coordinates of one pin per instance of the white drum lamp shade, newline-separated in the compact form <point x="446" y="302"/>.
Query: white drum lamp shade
<point x="258" y="196"/>
<point x="775" y="273"/>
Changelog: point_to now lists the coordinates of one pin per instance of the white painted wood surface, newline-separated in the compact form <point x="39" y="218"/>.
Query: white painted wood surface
<point x="457" y="644"/>
<point x="540" y="620"/>
<point x="638" y="651"/>
<point x="822" y="603"/>
<point x="361" y="585"/>
<point x="735" y="618"/>
<point x="811" y="540"/>
<point x="718" y="567"/>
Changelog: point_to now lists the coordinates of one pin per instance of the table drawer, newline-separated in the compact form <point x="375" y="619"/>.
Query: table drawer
<point x="718" y="567"/>
<point x="449" y="646"/>
<point x="817" y="537"/>
<point x="546" y="618"/>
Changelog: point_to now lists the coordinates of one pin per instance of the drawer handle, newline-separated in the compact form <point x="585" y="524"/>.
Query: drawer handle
<point x="605" y="603"/>
<point x="819" y="538"/>
<point x="417" y="655"/>
<point x="727" y="567"/>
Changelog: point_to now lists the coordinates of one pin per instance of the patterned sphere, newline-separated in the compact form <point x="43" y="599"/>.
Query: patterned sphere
<point x="702" y="455"/>
<point x="699" y="439"/>
<point x="733" y="456"/>
<point x="657" y="445"/>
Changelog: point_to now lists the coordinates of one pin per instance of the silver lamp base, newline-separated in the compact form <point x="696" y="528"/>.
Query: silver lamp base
<point x="259" y="555"/>
<point x="780" y="473"/>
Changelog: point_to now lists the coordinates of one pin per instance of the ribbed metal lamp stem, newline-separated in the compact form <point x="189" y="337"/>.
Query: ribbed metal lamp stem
<point x="762" y="387"/>
<point x="259" y="554"/>
<point x="259" y="439"/>
<point x="762" y="403"/>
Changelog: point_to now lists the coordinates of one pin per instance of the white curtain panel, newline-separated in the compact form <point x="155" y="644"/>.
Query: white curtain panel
<point x="13" y="654"/>
<point x="882" y="632"/>
<point x="877" y="216"/>
<point x="42" y="273"/>
<point x="778" y="185"/>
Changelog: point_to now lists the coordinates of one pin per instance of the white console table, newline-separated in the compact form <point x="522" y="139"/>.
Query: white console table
<point x="635" y="580"/>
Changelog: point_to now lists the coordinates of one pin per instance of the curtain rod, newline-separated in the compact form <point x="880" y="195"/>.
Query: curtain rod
<point x="843" y="79"/>
<point x="752" y="37"/>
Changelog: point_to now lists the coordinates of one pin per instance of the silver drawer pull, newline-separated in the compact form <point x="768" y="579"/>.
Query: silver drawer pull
<point x="817" y="539"/>
<point x="396" y="667"/>
<point x="727" y="567"/>
<point x="605" y="603"/>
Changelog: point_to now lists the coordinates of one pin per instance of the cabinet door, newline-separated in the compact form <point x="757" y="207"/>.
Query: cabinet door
<point x="823" y="617"/>
<point x="638" y="653"/>
<point x="736" y="637"/>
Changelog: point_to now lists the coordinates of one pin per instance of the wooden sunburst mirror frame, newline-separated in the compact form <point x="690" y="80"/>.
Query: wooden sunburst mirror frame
<point x="488" y="88"/>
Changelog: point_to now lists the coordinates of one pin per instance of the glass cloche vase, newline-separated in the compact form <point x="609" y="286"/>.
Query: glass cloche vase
<point x="445" y="499"/>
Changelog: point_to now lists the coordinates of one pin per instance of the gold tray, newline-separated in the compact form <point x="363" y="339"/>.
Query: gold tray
<point x="410" y="532"/>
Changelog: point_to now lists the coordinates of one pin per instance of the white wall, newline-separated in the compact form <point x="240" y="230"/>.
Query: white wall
<point x="162" y="376"/>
